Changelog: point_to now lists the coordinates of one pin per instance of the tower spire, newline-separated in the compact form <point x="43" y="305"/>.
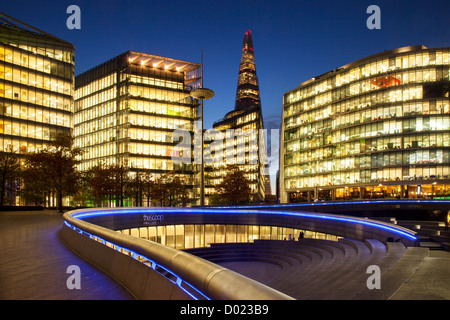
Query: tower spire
<point x="247" y="93"/>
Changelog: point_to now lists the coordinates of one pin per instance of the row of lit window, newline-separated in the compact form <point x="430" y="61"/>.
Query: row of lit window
<point x="34" y="131"/>
<point x="95" y="137"/>
<point x="156" y="82"/>
<point x="418" y="157"/>
<point x="231" y="159"/>
<point x="50" y="51"/>
<point x="368" y="145"/>
<point x="160" y="122"/>
<point x="98" y="111"/>
<point x="37" y="114"/>
<point x="87" y="164"/>
<point x="37" y="63"/>
<point x="26" y="130"/>
<point x="394" y="96"/>
<point x="214" y="181"/>
<point x="375" y="175"/>
<point x="151" y="163"/>
<point x="28" y="94"/>
<point x="157" y="94"/>
<point x="362" y="102"/>
<point x="96" y="98"/>
<point x="36" y="80"/>
<point x="93" y="151"/>
<point x="369" y="85"/>
<point x="160" y="108"/>
<point x="421" y="59"/>
<point x="247" y="93"/>
<point x="246" y="118"/>
<point x="23" y="146"/>
<point x="150" y="135"/>
<point x="154" y="150"/>
<point x="392" y="127"/>
<point x="248" y="78"/>
<point x="96" y="125"/>
<point x="388" y="127"/>
<point x="95" y="85"/>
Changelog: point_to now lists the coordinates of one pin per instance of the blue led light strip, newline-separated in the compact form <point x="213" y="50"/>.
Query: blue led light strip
<point x="225" y="210"/>
<point x="190" y="290"/>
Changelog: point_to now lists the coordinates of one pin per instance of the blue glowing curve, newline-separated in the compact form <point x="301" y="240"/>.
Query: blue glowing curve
<point x="237" y="210"/>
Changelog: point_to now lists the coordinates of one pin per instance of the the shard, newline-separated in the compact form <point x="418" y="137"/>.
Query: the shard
<point x="247" y="94"/>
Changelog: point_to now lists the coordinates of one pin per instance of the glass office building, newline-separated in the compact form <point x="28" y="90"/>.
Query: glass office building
<point x="127" y="109"/>
<point x="36" y="86"/>
<point x="243" y="139"/>
<point x="375" y="128"/>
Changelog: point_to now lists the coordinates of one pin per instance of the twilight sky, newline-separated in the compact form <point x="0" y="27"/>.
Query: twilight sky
<point x="293" y="40"/>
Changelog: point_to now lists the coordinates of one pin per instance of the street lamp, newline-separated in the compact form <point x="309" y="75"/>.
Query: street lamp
<point x="202" y="94"/>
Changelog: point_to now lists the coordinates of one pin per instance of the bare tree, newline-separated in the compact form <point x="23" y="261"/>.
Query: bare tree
<point x="57" y="164"/>
<point x="9" y="172"/>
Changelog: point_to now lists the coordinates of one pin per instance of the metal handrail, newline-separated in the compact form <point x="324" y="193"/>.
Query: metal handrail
<point x="199" y="278"/>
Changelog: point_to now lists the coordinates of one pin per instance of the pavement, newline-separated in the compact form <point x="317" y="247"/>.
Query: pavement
<point x="34" y="262"/>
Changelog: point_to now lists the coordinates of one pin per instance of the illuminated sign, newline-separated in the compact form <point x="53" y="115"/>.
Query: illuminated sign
<point x="152" y="218"/>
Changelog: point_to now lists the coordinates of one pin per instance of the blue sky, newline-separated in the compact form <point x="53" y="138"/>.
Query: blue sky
<point x="293" y="40"/>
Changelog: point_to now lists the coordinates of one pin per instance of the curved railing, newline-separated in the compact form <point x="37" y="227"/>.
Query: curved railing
<point x="141" y="265"/>
<point x="173" y="274"/>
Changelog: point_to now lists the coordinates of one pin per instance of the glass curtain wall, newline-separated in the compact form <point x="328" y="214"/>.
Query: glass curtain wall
<point x="126" y="112"/>
<point x="198" y="236"/>
<point x="384" y="120"/>
<point x="36" y="87"/>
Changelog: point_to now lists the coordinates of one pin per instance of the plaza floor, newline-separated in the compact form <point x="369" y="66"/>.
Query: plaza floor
<point x="34" y="262"/>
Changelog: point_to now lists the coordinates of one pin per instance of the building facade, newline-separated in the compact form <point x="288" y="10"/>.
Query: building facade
<point x="36" y="86"/>
<point x="127" y="109"/>
<point x="36" y="93"/>
<point x="375" y="128"/>
<point x="242" y="138"/>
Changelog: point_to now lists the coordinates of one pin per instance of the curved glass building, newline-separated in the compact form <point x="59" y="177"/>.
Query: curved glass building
<point x="378" y="127"/>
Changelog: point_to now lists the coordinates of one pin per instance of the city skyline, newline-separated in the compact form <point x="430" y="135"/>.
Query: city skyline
<point x="294" y="40"/>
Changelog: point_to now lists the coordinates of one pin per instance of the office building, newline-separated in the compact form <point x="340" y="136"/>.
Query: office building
<point x="127" y="109"/>
<point x="243" y="138"/>
<point x="378" y="127"/>
<point x="36" y="93"/>
<point x="36" y="86"/>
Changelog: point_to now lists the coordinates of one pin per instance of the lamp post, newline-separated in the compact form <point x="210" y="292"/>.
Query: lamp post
<point x="202" y="94"/>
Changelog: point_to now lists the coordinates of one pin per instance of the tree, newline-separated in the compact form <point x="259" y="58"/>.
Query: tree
<point x="120" y="182"/>
<point x="235" y="187"/>
<point x="169" y="190"/>
<point x="9" y="172"/>
<point x="141" y="185"/>
<point x="148" y="185"/>
<point x="35" y="187"/>
<point x="57" y="165"/>
<point x="109" y="182"/>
